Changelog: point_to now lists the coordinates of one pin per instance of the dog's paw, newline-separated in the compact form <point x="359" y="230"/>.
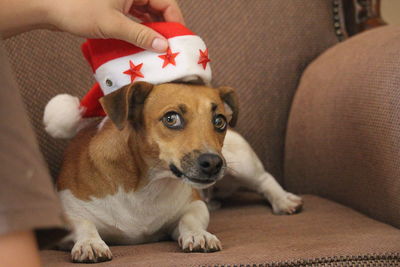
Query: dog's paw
<point x="199" y="241"/>
<point x="287" y="204"/>
<point x="90" y="251"/>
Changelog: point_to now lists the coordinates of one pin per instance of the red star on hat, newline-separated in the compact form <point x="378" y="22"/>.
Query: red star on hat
<point x="203" y="58"/>
<point x="134" y="71"/>
<point x="169" y="58"/>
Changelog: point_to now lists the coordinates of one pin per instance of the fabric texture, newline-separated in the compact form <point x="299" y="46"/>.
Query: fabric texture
<point x="45" y="64"/>
<point x="27" y="195"/>
<point x="258" y="47"/>
<point x="343" y="138"/>
<point x="325" y="232"/>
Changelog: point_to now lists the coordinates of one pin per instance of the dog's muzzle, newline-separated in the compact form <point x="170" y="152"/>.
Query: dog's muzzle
<point x="205" y="169"/>
<point x="210" y="164"/>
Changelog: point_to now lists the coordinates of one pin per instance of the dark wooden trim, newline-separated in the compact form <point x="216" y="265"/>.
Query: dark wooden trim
<point x="361" y="15"/>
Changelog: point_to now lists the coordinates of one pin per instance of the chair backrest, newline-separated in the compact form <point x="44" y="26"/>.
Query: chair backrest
<point x="259" y="47"/>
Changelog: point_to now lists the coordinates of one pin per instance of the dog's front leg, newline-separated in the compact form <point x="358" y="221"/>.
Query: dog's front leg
<point x="191" y="231"/>
<point x="244" y="165"/>
<point x="88" y="247"/>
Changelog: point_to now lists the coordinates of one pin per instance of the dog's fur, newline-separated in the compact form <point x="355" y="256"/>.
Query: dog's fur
<point x="133" y="180"/>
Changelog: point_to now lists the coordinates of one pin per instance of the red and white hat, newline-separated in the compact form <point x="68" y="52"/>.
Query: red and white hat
<point x="116" y="63"/>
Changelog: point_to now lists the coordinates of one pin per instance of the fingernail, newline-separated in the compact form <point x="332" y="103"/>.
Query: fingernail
<point x="159" y="44"/>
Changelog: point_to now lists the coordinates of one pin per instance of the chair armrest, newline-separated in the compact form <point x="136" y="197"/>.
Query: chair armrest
<point x="343" y="137"/>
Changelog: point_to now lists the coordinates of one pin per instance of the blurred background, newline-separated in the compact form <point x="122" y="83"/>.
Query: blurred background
<point x="390" y="10"/>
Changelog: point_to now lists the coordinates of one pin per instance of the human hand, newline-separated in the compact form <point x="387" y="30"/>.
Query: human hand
<point x="109" y="19"/>
<point x="91" y="18"/>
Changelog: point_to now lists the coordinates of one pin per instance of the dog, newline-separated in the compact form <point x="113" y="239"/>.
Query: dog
<point x="135" y="177"/>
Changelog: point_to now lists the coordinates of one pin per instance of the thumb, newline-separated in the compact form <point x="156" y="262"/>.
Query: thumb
<point x="128" y="30"/>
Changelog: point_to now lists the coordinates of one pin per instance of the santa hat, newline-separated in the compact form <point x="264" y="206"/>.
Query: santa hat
<point x="116" y="63"/>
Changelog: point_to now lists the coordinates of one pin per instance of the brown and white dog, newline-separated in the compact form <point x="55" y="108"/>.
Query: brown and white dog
<point x="134" y="177"/>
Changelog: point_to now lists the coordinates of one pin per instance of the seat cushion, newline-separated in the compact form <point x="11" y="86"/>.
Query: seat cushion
<point x="323" y="233"/>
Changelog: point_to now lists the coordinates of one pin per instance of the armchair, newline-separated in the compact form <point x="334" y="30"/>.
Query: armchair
<point x="323" y="115"/>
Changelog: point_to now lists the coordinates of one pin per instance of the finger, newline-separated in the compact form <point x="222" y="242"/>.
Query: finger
<point x="144" y="17"/>
<point x="138" y="11"/>
<point x="169" y="9"/>
<point x="154" y="14"/>
<point x="156" y="17"/>
<point x="173" y="13"/>
<point x="125" y="29"/>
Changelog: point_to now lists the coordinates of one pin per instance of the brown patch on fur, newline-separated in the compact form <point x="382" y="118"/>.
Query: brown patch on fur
<point x="98" y="164"/>
<point x="229" y="96"/>
<point x="126" y="104"/>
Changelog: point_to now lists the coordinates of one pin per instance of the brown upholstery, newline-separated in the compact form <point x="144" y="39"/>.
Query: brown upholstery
<point x="343" y="138"/>
<point x="260" y="48"/>
<point x="46" y="64"/>
<point x="250" y="234"/>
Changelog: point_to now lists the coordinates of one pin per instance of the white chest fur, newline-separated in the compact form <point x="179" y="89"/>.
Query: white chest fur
<point x="145" y="215"/>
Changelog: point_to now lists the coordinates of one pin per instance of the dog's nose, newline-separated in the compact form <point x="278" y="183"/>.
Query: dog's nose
<point x="210" y="164"/>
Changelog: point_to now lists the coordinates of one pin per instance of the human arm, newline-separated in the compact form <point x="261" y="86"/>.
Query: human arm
<point x="19" y="249"/>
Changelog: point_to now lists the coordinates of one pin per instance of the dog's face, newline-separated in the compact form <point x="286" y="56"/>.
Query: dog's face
<point x="181" y="125"/>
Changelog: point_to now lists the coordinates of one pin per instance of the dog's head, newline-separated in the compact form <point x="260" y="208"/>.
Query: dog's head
<point x="181" y="125"/>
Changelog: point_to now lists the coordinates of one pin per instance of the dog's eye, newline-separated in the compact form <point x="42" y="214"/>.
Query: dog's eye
<point x="220" y="123"/>
<point x="173" y="120"/>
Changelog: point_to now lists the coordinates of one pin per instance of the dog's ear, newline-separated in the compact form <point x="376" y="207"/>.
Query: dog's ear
<point x="126" y="103"/>
<point x="229" y="96"/>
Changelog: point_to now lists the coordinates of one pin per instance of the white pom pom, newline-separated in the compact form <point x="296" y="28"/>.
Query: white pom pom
<point x="62" y="116"/>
